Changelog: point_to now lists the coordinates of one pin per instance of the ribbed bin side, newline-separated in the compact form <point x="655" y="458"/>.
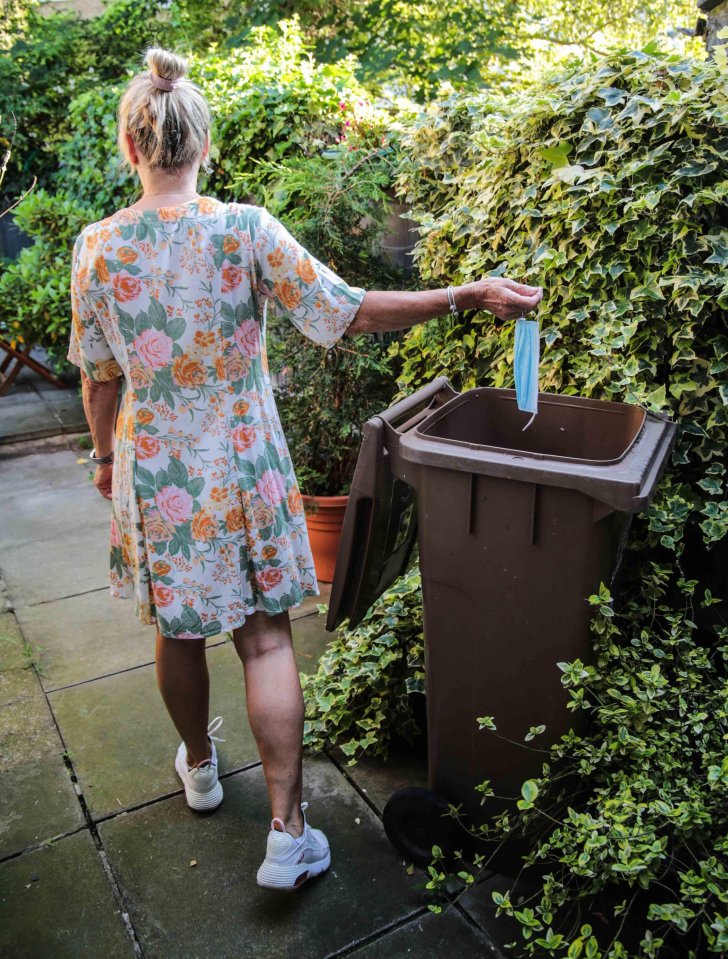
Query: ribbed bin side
<point x="507" y="569"/>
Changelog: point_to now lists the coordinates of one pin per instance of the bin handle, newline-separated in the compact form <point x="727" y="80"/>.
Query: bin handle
<point x="420" y="397"/>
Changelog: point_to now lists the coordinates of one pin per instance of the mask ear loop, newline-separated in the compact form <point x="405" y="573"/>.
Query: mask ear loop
<point x="533" y="417"/>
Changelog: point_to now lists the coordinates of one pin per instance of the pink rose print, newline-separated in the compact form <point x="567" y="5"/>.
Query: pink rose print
<point x="154" y="348"/>
<point x="163" y="595"/>
<point x="174" y="504"/>
<point x="243" y="437"/>
<point x="247" y="338"/>
<point x="267" y="579"/>
<point x="272" y="487"/>
<point x="115" y="538"/>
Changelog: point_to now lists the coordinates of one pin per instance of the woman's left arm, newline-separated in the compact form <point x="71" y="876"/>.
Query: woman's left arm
<point x="99" y="404"/>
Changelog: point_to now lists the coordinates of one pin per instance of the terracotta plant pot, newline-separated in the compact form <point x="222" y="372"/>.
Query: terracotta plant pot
<point x="324" y="519"/>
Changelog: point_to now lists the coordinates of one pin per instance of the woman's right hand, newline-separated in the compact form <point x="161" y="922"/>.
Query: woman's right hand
<point x="505" y="298"/>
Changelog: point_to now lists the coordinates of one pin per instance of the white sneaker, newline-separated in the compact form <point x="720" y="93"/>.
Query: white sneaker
<point x="203" y="790"/>
<point x="289" y="862"/>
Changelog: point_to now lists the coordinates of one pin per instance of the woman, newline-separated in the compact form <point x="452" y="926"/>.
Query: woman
<point x="169" y="301"/>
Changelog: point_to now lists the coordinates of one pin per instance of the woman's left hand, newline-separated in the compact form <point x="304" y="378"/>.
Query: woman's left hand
<point x="102" y="480"/>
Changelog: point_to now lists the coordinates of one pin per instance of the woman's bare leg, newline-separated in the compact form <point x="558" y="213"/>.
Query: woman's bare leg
<point x="185" y="687"/>
<point x="275" y="709"/>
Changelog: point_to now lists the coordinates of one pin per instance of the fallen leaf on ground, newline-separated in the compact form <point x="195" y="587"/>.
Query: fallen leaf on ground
<point x="193" y="862"/>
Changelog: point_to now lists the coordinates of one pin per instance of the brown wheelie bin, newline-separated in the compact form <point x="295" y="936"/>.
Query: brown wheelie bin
<point x="515" y="531"/>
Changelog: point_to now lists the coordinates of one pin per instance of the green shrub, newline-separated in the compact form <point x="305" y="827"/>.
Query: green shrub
<point x="350" y="699"/>
<point x="52" y="59"/>
<point x="336" y="205"/>
<point x="606" y="185"/>
<point x="35" y="304"/>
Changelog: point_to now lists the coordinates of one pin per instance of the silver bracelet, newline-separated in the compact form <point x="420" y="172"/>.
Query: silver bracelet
<point x="101" y="460"/>
<point x="451" y="300"/>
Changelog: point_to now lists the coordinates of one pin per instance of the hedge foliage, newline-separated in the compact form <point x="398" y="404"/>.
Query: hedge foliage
<point x="607" y="186"/>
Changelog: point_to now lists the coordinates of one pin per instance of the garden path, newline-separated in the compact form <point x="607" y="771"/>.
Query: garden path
<point x="99" y="855"/>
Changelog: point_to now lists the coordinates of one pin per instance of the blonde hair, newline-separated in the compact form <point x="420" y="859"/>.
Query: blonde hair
<point x="169" y="127"/>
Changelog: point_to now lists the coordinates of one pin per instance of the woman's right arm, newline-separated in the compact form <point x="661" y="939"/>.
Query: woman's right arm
<point x="383" y="310"/>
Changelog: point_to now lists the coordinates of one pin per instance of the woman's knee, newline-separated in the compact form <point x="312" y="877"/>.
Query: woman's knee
<point x="262" y="633"/>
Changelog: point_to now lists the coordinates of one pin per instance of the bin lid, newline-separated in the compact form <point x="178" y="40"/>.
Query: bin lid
<point x="378" y="535"/>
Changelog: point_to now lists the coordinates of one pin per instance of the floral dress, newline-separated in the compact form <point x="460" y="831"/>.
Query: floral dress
<point x="207" y="521"/>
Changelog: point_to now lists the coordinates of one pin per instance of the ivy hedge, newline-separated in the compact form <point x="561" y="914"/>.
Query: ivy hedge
<point x="606" y="185"/>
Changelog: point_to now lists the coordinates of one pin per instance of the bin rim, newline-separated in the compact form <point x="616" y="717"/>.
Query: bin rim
<point x="544" y="399"/>
<point x="627" y="484"/>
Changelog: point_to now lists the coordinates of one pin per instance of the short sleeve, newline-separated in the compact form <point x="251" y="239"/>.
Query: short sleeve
<point x="317" y="301"/>
<point x="88" y="347"/>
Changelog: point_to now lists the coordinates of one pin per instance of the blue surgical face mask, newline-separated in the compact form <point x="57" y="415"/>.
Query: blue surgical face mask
<point x="525" y="364"/>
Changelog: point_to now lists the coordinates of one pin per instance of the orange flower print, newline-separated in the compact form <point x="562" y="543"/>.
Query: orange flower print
<point x="276" y="258"/>
<point x="295" y="502"/>
<point x="141" y="377"/>
<point x="147" y="447"/>
<point x="305" y="270"/>
<point x="230" y="244"/>
<point x="163" y="595"/>
<point x="102" y="270"/>
<point x="160" y="568"/>
<point x="219" y="368"/>
<point x="157" y="529"/>
<point x="126" y="287"/>
<point x="241" y="407"/>
<point x="234" y="519"/>
<point x="168" y="212"/>
<point x="127" y="254"/>
<point x="268" y="552"/>
<point x="262" y="515"/>
<point x="236" y="365"/>
<point x="288" y="293"/>
<point x="207" y="204"/>
<point x="268" y="579"/>
<point x="83" y="279"/>
<point x="106" y="370"/>
<point x="218" y="494"/>
<point x="231" y="277"/>
<point x="204" y="338"/>
<point x="144" y="416"/>
<point x="204" y="525"/>
<point x="243" y="437"/>
<point x="187" y="372"/>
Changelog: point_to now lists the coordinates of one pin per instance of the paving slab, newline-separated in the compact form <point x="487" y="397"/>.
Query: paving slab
<point x="39" y="800"/>
<point x="39" y="471"/>
<point x="26" y="418"/>
<point x="310" y="639"/>
<point x="445" y="934"/>
<point x="478" y="904"/>
<point x="216" y="909"/>
<point x="13" y="651"/>
<point x="57" y="902"/>
<point x="67" y="407"/>
<point x="122" y="742"/>
<point x="379" y="778"/>
<point x="51" y="512"/>
<point x="51" y="569"/>
<point x="85" y="637"/>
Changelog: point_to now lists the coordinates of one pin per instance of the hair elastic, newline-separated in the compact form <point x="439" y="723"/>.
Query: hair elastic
<point x="162" y="83"/>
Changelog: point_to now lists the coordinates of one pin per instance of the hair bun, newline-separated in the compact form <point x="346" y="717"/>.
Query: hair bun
<point x="165" y="64"/>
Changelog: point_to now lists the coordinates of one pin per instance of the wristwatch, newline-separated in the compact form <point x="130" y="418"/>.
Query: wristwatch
<point x="101" y="460"/>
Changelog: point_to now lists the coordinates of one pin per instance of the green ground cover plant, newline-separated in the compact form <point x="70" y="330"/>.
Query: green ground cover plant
<point x="606" y="184"/>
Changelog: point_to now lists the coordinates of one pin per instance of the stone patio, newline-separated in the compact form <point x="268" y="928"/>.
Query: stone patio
<point x="96" y="842"/>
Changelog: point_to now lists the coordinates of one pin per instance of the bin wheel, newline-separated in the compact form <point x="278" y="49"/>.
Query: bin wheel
<point x="416" y="819"/>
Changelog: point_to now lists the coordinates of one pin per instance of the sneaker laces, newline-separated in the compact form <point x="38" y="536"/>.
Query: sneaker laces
<point x="212" y="727"/>
<point x="215" y="724"/>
